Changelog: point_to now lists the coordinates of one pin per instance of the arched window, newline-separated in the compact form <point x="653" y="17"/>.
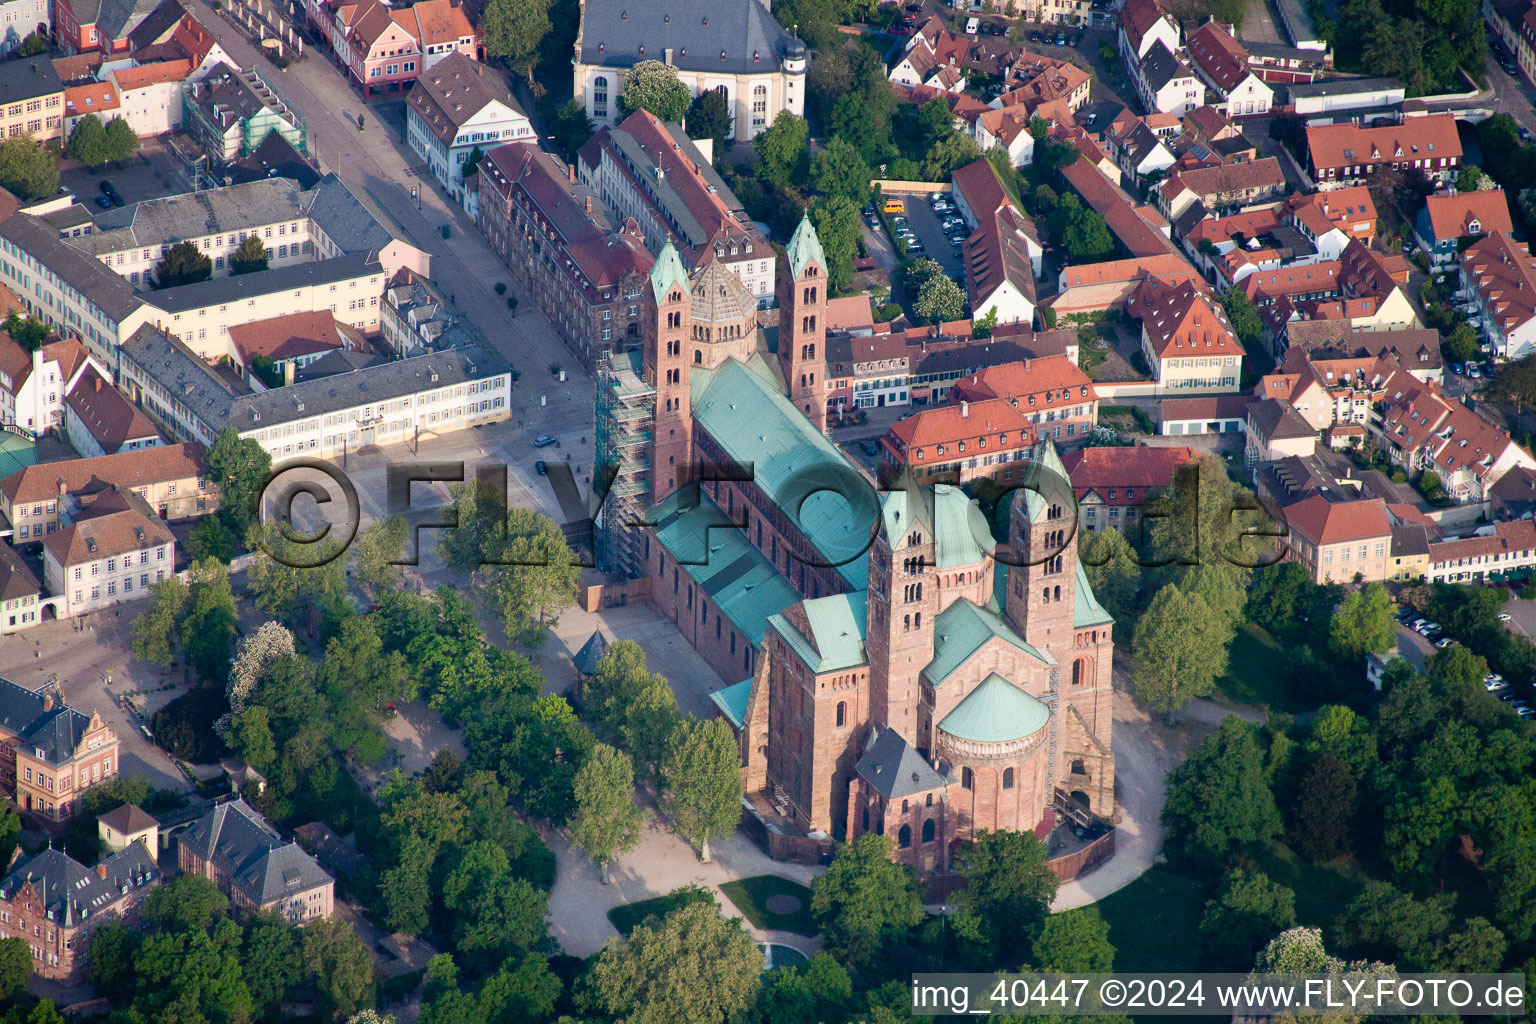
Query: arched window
<point x="866" y="819"/>
<point x="903" y="807"/>
<point x="600" y="96"/>
<point x="1077" y="673"/>
<point x="1057" y="595"/>
<point x="904" y="837"/>
<point x="698" y="357"/>
<point x="1007" y="778"/>
<point x="967" y="780"/>
<point x="928" y="831"/>
<point x="929" y="801"/>
<point x="842" y="713"/>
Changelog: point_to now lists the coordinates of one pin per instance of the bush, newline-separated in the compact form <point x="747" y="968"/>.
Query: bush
<point x="512" y="303"/>
<point x="184" y="727"/>
<point x="888" y="312"/>
<point x="501" y="287"/>
<point x="282" y="61"/>
<point x="447" y="231"/>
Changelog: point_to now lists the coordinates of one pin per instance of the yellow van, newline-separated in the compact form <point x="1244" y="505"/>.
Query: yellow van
<point x="895" y="206"/>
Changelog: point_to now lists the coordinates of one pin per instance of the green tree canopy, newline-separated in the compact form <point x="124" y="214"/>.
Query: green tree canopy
<point x="183" y="264"/>
<point x="1243" y="315"/>
<point x="1219" y="801"/>
<point x="1075" y="941"/>
<point x="513" y="30"/>
<point x="1363" y="623"/>
<point x="939" y="301"/>
<point x="703" y="782"/>
<point x="1244" y="915"/>
<point x="240" y="467"/>
<point x="250" y="257"/>
<point x="865" y="900"/>
<point x="606" y="822"/>
<point x="122" y="141"/>
<point x="836" y="219"/>
<point x="709" y="117"/>
<point x="1180" y="647"/>
<point x="27" y="169"/>
<point x="781" y="150"/>
<point x="840" y="170"/>
<point x="1008" y="888"/>
<point x="652" y="85"/>
<point x="88" y="141"/>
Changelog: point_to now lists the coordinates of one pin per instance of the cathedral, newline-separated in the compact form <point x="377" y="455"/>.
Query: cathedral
<point x="898" y="669"/>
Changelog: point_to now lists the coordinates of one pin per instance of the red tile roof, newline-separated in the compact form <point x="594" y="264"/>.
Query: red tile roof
<point x="1351" y="210"/>
<point x="1182" y="320"/>
<point x="1431" y="137"/>
<point x="1507" y="537"/>
<point x="1326" y="522"/>
<point x="1055" y="375"/>
<point x="917" y="436"/>
<point x="1468" y="213"/>
<point x="1504" y="274"/>
<point x="288" y="336"/>
<point x="1139" y="238"/>
<point x="107" y="535"/>
<point x="80" y="100"/>
<point x="134" y="469"/>
<point x="109" y="417"/>
<point x="1221" y="57"/>
<point x="1134" y="469"/>
<point x="129" y="79"/>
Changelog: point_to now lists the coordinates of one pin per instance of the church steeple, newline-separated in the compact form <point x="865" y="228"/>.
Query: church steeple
<point x="802" y="294"/>
<point x="665" y="328"/>
<point x="1042" y="552"/>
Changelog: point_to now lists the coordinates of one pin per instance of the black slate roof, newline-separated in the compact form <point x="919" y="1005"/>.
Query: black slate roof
<point x="704" y="35"/>
<point x="895" y="769"/>
<point x="70" y="891"/>
<point x="240" y="845"/>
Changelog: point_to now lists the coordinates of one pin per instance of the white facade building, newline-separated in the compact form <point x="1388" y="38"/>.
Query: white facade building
<point x="455" y="108"/>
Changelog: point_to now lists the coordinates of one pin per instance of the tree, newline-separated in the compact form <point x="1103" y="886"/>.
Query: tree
<point x="513" y="30"/>
<point x="270" y="961"/>
<point x="703" y="782"/>
<point x="840" y="170"/>
<point x="88" y="141"/>
<point x="1385" y="923"/>
<point x="254" y="657"/>
<point x="1075" y="941"/>
<point x="865" y="900"/>
<point x="1363" y="623"/>
<point x="15" y="967"/>
<point x="210" y="538"/>
<point x="781" y="149"/>
<point x="1243" y="315"/>
<point x="1278" y="594"/>
<point x="406" y="888"/>
<point x="1008" y="887"/>
<point x="27" y="169"/>
<point x="948" y="154"/>
<point x="1247" y="911"/>
<point x="652" y="85"/>
<point x="1218" y="800"/>
<point x="377" y="552"/>
<point x="1461" y="345"/>
<point x="156" y="632"/>
<point x="939" y="301"/>
<point x="27" y="331"/>
<point x="1220" y="591"/>
<point x="286" y="579"/>
<point x="836" y="219"/>
<point x="1514" y="383"/>
<point x="250" y="257"/>
<point x="1470" y="178"/>
<point x="34" y="45"/>
<point x="339" y="965"/>
<point x="112" y="949"/>
<point x="1325" y="810"/>
<point x="191" y="902"/>
<point x="183" y="264"/>
<point x="240" y="466"/>
<point x="122" y="141"/>
<point x="208" y="625"/>
<point x="691" y="967"/>
<point x="607" y="822"/>
<point x="533" y="576"/>
<point x="709" y="117"/>
<point x="571" y="128"/>
<point x="1180" y="650"/>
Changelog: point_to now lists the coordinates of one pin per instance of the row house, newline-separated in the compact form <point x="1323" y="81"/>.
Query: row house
<point x="21" y="595"/>
<point x="384" y="49"/>
<point x="1056" y="397"/>
<point x="171" y="479"/>
<point x="960" y="443"/>
<point x="51" y="754"/>
<point x="1493" y="553"/>
<point x="34" y="385"/>
<point x="1498" y="289"/>
<point x="1222" y="187"/>
<point x="1447" y="224"/>
<point x="1002" y="254"/>
<point x="1112" y="485"/>
<point x="1332" y="387"/>
<point x="1224" y="64"/>
<point x="551" y="233"/>
<point x="1143" y="25"/>
<point x="653" y="174"/>
<point x="1346" y="153"/>
<point x="1139" y="150"/>
<point x="1165" y="82"/>
<point x="1422" y="430"/>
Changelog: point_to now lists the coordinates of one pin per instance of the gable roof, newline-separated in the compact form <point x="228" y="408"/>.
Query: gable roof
<point x="131" y="469"/>
<point x="964" y="628"/>
<point x="115" y="531"/>
<point x="70" y="892"/>
<point x="1099" y="469"/>
<point x="454" y="90"/>
<point x="833" y="637"/>
<point x="41" y="721"/>
<point x="1431" y="137"/>
<point x="291" y="335"/>
<point x="1182" y="320"/>
<point x="1219" y="56"/>
<point x="1452" y="216"/>
<point x="107" y="414"/>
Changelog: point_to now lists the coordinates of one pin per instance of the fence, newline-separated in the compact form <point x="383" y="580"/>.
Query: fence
<point x="1069" y="866"/>
<point x="780" y="846"/>
<point x="925" y="187"/>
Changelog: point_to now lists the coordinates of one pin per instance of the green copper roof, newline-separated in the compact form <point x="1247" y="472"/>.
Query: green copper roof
<point x="837" y="632"/>
<point x="667" y="272"/>
<point x="804" y="247"/>
<point x="956" y="522"/>
<point x="1044" y="477"/>
<point x="732" y="701"/>
<point x="961" y="630"/>
<point x="996" y="712"/>
<point x="793" y="463"/>
<point x="1086" y="610"/>
<point x="737" y="579"/>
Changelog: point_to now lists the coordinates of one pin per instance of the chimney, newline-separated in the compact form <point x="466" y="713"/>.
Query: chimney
<point x="101" y="870"/>
<point x="667" y="55"/>
<point x="965" y="408"/>
<point x="589" y="204"/>
<point x="570" y="170"/>
<point x="47" y="702"/>
<point x="98" y="385"/>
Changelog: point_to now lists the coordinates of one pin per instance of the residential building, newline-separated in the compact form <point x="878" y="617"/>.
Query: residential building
<point x="1215" y="414"/>
<point x="455" y="110"/>
<point x="1166" y="83"/>
<point x="171" y="479"/>
<point x="1514" y="496"/>
<point x="53" y="904"/>
<point x="1448" y="223"/>
<point x="1339" y="541"/>
<point x="114" y="550"/>
<point x="1185" y="337"/>
<point x="1002" y="253"/>
<point x="31" y="99"/>
<point x="255" y="867"/>
<point x="736" y="47"/>
<point x="1223" y="187"/>
<point x="386" y="403"/>
<point x="230" y="112"/>
<point x="417" y="319"/>
<point x="99" y="420"/>
<point x="50" y="753"/>
<point x="20" y="593"/>
<point x="1224" y="64"/>
<point x="384" y="49"/>
<point x="149" y="97"/>
<point x="22" y="18"/>
<point x="1330" y="220"/>
<point x="1144" y="24"/>
<point x="1346" y="153"/>
<point x="530" y="206"/>
<point x="98" y="98"/>
<point x="653" y="174"/>
<point x="1097" y="287"/>
<point x="960" y="443"/>
<point x="127" y="824"/>
<point x="1494" y="553"/>
<point x="33" y="385"/>
<point x="1498" y="285"/>
<point x="1057" y="399"/>
<point x="1132" y="226"/>
<point x="1112" y="485"/>
<point x="1275" y="430"/>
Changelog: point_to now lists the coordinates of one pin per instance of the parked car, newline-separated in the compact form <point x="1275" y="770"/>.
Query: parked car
<point x="1505" y="616"/>
<point x="1497" y="687"/>
<point x="104" y="202"/>
<point x="540" y="468"/>
<point x="916" y="247"/>
<point x="869" y="448"/>
<point x="116" y="199"/>
<point x="107" y="189"/>
<point x="544" y="440"/>
<point x="1444" y="642"/>
<point x="1474" y="372"/>
<point x="1061" y="39"/>
<point x="1507" y="696"/>
<point x="1457" y="368"/>
<point x="1426" y="628"/>
<point x="1525" y="711"/>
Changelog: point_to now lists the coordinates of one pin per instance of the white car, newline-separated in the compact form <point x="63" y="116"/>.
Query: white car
<point x="1444" y="642"/>
<point x="1504" y="616"/>
<point x="1426" y="628"/>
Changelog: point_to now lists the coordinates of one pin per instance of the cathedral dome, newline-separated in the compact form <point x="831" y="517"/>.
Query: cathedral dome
<point x="996" y="712"/>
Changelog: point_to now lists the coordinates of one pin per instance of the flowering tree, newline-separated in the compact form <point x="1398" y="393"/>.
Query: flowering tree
<point x="254" y="657"/>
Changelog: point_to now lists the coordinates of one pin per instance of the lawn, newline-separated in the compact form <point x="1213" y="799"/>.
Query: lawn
<point x="1258" y="672"/>
<point x="1154" y="922"/>
<point x="751" y="897"/>
<point x="1322" y="890"/>
<point x="627" y="916"/>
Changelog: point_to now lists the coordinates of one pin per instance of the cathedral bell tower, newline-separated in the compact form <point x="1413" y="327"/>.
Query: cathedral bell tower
<point x="1042" y="556"/>
<point x="802" y="294"/>
<point x="665" y="324"/>
<point x="903" y="603"/>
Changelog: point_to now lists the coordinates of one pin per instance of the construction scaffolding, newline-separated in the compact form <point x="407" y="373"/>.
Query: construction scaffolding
<point x="626" y="412"/>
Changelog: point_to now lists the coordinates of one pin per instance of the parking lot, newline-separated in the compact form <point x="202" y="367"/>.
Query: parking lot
<point x="925" y="224"/>
<point x="154" y="171"/>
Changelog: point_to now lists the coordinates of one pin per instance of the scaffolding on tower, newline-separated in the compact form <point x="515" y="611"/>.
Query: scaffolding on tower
<point x="626" y="412"/>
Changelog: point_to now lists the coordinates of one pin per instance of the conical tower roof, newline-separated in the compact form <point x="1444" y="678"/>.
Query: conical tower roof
<point x="668" y="271"/>
<point x="1046" y="479"/>
<point x="804" y="247"/>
